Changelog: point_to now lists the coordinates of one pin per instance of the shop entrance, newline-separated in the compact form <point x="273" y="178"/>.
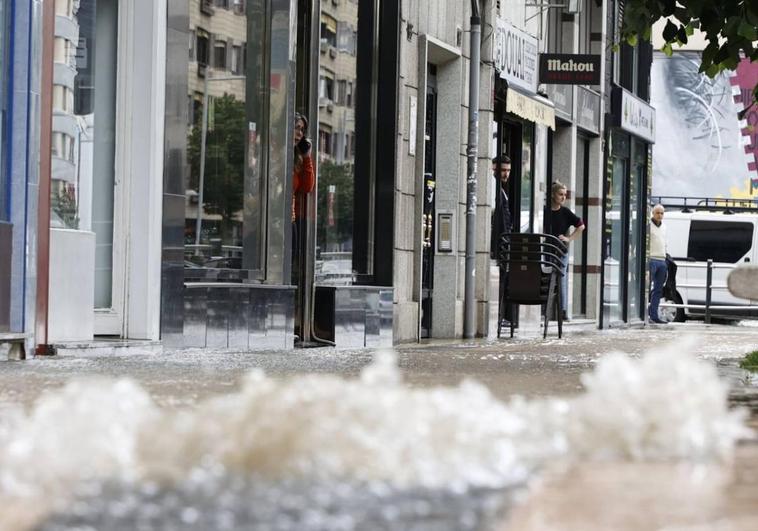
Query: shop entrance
<point x="515" y="139"/>
<point x="429" y="215"/>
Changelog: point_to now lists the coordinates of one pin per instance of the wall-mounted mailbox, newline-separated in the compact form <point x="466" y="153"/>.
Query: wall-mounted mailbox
<point x="445" y="232"/>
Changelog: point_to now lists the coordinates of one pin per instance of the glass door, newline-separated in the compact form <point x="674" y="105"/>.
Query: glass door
<point x="83" y="185"/>
<point x="614" y="283"/>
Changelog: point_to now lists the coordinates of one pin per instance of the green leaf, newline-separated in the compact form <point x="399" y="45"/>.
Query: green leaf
<point x="708" y="54"/>
<point x="689" y="29"/>
<point x="712" y="71"/>
<point x="615" y="48"/>
<point x="748" y="31"/>
<point x="632" y="39"/>
<point x="670" y="31"/>
<point x="667" y="49"/>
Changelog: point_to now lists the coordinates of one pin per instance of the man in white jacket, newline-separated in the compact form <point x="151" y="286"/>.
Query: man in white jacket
<point x="658" y="267"/>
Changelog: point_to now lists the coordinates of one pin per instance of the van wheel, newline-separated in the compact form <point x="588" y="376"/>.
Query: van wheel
<point x="669" y="315"/>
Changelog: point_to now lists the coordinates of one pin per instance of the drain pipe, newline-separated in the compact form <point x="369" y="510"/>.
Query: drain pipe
<point x="42" y="302"/>
<point x="472" y="152"/>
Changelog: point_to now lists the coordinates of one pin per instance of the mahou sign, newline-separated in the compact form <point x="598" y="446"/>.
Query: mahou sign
<point x="569" y="69"/>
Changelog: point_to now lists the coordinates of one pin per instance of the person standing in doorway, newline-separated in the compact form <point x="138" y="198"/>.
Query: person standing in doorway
<point x="658" y="267"/>
<point x="303" y="182"/>
<point x="566" y="226"/>
<point x="501" y="225"/>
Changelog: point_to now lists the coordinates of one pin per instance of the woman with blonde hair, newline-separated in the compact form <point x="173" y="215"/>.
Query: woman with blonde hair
<point x="559" y="222"/>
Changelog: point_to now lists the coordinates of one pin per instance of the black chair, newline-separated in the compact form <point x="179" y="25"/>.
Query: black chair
<point x="535" y="272"/>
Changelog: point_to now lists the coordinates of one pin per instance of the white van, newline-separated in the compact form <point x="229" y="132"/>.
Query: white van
<point x="722" y="230"/>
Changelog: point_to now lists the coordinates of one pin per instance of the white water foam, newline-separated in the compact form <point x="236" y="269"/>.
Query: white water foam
<point x="666" y="405"/>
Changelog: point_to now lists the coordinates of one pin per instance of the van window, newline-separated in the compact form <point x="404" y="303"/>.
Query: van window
<point x="723" y="241"/>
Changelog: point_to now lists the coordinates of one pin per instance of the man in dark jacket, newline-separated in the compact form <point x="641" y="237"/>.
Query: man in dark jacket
<point x="501" y="225"/>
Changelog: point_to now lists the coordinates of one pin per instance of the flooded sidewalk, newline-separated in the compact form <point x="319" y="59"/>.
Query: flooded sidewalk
<point x="465" y="435"/>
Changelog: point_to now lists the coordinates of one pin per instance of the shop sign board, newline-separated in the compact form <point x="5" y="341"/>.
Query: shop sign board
<point x="563" y="98"/>
<point x="569" y="69"/>
<point x="633" y="114"/>
<point x="516" y="56"/>
<point x="588" y="110"/>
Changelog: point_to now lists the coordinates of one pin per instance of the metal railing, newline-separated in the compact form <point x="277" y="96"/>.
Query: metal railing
<point x="709" y="266"/>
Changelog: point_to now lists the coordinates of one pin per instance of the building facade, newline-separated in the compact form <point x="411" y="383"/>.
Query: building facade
<point x="171" y="179"/>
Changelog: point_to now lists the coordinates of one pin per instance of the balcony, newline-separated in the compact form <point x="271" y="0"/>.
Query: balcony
<point x="206" y="7"/>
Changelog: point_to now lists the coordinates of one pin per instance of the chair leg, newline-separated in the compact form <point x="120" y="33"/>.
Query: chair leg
<point x="560" y="317"/>
<point x="512" y="325"/>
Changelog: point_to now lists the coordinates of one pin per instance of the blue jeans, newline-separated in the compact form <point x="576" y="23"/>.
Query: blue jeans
<point x="658" y="270"/>
<point x="565" y="282"/>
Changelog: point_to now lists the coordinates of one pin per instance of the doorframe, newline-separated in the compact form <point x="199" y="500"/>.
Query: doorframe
<point x="110" y="321"/>
<point x="138" y="182"/>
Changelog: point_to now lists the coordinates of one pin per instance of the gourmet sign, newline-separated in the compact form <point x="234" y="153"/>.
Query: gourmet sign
<point x="516" y="55"/>
<point x="569" y="69"/>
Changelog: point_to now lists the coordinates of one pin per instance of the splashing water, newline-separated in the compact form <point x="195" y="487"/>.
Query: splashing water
<point x="666" y="405"/>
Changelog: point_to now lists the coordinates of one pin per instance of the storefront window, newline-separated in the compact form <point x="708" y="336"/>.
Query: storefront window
<point x="223" y="195"/>
<point x="84" y="125"/>
<point x="336" y="150"/>
<point x="637" y="216"/>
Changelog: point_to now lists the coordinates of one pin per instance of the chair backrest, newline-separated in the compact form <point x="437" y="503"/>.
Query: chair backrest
<point x="531" y="259"/>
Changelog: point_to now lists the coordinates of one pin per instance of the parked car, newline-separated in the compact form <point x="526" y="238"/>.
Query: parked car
<point x="723" y="230"/>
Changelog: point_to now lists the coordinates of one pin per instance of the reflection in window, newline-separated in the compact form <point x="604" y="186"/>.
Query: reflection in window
<point x="84" y="125"/>
<point x="336" y="145"/>
<point x="217" y="138"/>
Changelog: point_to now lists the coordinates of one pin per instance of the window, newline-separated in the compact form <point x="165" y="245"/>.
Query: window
<point x="202" y="47"/>
<point x="219" y="55"/>
<point x="329" y="30"/>
<point x="326" y="88"/>
<point x="63" y="99"/>
<point x="235" y="62"/>
<point x="325" y="142"/>
<point x="222" y="3"/>
<point x="345" y="38"/>
<point x="63" y="146"/>
<point x="349" y="94"/>
<point x="192" y="40"/>
<point x="341" y="92"/>
<point x="721" y="241"/>
<point x="238" y="6"/>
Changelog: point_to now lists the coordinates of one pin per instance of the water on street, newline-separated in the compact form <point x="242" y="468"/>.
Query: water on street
<point x="512" y="434"/>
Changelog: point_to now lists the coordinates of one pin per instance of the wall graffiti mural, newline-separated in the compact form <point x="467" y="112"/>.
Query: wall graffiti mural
<point x="701" y="148"/>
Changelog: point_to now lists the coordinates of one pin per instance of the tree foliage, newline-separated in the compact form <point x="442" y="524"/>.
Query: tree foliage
<point x="224" y="161"/>
<point x="341" y="176"/>
<point x="729" y="26"/>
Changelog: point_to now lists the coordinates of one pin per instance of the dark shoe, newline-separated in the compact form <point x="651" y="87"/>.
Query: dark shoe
<point x="564" y="317"/>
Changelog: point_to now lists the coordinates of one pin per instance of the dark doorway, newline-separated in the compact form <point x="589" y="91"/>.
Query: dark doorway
<point x="430" y="156"/>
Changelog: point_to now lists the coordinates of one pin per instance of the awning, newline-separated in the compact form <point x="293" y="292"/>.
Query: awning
<point x="531" y="107"/>
<point x="330" y="22"/>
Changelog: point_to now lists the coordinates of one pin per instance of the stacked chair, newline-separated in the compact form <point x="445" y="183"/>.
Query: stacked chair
<point x="533" y="263"/>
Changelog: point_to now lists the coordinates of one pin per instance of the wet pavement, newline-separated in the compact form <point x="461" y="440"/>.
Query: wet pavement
<point x="586" y="495"/>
